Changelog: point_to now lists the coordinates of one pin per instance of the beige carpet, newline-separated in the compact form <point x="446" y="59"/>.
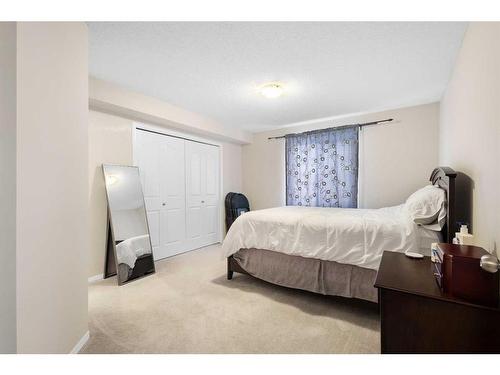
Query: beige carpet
<point x="188" y="306"/>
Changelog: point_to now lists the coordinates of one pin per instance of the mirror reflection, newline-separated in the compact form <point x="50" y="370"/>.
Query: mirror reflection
<point x="129" y="227"/>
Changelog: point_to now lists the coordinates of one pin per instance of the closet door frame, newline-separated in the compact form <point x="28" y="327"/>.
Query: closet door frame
<point x="192" y="138"/>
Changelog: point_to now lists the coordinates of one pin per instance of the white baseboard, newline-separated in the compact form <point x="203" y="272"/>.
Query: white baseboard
<point x="96" y="278"/>
<point x="79" y="345"/>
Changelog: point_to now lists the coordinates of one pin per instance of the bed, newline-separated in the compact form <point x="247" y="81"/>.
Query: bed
<point x="334" y="251"/>
<point x="133" y="255"/>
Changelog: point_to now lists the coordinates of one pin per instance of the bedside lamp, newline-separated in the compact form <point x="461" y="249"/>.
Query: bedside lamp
<point x="489" y="263"/>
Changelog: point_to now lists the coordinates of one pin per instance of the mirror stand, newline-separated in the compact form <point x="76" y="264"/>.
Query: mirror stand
<point x="109" y="262"/>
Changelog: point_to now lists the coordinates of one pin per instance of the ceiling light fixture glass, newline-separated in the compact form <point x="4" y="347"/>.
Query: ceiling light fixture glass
<point x="112" y="179"/>
<point x="271" y="90"/>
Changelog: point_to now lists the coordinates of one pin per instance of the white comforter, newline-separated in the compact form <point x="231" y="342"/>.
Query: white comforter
<point x="349" y="236"/>
<point x="129" y="250"/>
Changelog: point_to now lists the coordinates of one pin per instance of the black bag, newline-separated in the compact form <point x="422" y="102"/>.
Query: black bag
<point x="236" y="204"/>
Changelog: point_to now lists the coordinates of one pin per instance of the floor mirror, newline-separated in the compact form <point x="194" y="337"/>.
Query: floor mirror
<point x="129" y="253"/>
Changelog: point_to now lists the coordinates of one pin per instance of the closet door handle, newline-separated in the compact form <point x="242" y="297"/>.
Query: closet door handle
<point x="202" y="201"/>
<point x="164" y="204"/>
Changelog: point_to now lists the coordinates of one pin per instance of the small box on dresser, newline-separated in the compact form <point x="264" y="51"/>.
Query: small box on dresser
<point x="458" y="273"/>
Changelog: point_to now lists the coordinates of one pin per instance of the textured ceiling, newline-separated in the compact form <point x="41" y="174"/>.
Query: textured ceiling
<point x="329" y="68"/>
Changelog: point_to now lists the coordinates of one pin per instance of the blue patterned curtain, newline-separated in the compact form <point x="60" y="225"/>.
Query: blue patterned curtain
<point x="322" y="168"/>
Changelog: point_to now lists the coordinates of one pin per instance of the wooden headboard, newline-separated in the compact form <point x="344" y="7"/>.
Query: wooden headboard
<point x="444" y="177"/>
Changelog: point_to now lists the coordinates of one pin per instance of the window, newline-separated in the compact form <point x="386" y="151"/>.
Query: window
<point x="322" y="168"/>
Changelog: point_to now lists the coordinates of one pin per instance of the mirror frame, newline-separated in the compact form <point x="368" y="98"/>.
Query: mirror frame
<point x="110" y="234"/>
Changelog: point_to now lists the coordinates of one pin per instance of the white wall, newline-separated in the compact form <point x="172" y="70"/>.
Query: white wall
<point x="470" y="127"/>
<point x="110" y="141"/>
<point x="8" y="37"/>
<point x="395" y="159"/>
<point x="232" y="168"/>
<point x="52" y="186"/>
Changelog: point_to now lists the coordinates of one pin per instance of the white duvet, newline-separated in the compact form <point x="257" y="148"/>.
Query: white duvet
<point x="129" y="250"/>
<point x="350" y="236"/>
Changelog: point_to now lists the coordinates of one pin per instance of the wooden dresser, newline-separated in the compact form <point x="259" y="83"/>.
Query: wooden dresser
<point x="417" y="317"/>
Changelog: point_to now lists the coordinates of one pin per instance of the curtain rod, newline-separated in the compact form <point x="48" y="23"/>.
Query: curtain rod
<point x="335" y="127"/>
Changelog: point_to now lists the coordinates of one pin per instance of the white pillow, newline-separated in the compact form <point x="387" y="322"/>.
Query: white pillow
<point x="425" y="205"/>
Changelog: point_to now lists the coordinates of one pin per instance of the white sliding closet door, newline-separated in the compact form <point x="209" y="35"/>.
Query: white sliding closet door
<point x="161" y="163"/>
<point x="173" y="188"/>
<point x="147" y="151"/>
<point x="180" y="179"/>
<point x="202" y="192"/>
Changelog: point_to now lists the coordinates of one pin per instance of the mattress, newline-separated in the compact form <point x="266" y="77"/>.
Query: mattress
<point x="347" y="236"/>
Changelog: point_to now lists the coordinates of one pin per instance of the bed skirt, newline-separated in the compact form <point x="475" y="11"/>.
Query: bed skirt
<point x="314" y="275"/>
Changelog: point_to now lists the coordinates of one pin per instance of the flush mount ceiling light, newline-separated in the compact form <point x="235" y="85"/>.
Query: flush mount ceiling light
<point x="271" y="90"/>
<point x="112" y="179"/>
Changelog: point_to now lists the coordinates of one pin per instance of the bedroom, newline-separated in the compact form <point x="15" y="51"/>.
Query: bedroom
<point x="356" y="144"/>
